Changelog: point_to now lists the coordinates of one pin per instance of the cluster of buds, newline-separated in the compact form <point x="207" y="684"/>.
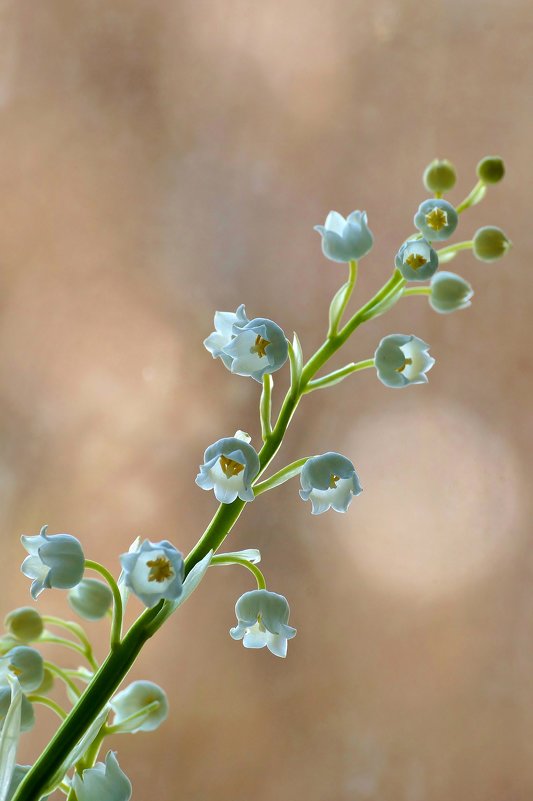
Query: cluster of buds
<point x="157" y="573"/>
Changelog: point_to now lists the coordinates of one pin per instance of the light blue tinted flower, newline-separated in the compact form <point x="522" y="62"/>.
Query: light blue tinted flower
<point x="258" y="348"/>
<point x="91" y="598"/>
<point x="262" y="620"/>
<point x="55" y="560"/>
<point x="230" y="465"/>
<point x="402" y="359"/>
<point x="26" y="664"/>
<point x="436" y="219"/>
<point x="449" y="292"/>
<point x="133" y="700"/>
<point x="329" y="481"/>
<point x="223" y="333"/>
<point x="416" y="260"/>
<point x="154" y="572"/>
<point x="27" y="715"/>
<point x="103" y="782"/>
<point x="347" y="239"/>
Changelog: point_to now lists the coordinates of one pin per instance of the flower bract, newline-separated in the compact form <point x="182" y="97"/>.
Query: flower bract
<point x="129" y="704"/>
<point x="416" y="260"/>
<point x="27" y="715"/>
<point x="104" y="781"/>
<point x="436" y="219"/>
<point x="154" y="572"/>
<point x="230" y="465"/>
<point x="329" y="481"/>
<point x="55" y="560"/>
<point x="262" y="620"/>
<point x="345" y="239"/>
<point x="449" y="292"/>
<point x="402" y="359"/>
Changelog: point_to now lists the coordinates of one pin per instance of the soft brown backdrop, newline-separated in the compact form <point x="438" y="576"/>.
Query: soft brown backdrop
<point x="160" y="160"/>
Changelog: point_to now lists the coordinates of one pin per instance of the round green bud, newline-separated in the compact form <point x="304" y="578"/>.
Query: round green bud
<point x="491" y="169"/>
<point x="24" y="623"/>
<point x="439" y="176"/>
<point x="47" y="683"/>
<point x="490" y="243"/>
<point x="91" y="598"/>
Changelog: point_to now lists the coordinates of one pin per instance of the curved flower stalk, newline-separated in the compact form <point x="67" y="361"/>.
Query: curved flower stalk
<point x="156" y="571"/>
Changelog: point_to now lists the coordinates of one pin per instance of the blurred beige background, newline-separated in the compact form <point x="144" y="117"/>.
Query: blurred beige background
<point x="160" y="160"/>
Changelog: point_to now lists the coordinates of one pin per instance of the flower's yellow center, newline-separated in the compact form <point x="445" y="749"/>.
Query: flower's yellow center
<point x="437" y="219"/>
<point x="260" y="346"/>
<point x="416" y="260"/>
<point x="14" y="669"/>
<point x="333" y="481"/>
<point x="160" y="569"/>
<point x="230" y="467"/>
<point x="404" y="365"/>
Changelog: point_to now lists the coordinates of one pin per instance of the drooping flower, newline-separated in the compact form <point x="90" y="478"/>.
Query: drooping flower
<point x="138" y="698"/>
<point x="91" y="598"/>
<point x="104" y="781"/>
<point x="449" y="292"/>
<point x="26" y="664"/>
<point x="402" y="359"/>
<point x="230" y="465"/>
<point x="329" y="481"/>
<point x="251" y="348"/>
<point x="55" y="560"/>
<point x="262" y="620"/>
<point x="225" y="322"/>
<point x="24" y="623"/>
<point x="436" y="219"/>
<point x="154" y="572"/>
<point x="490" y="243"/>
<point x="416" y="260"/>
<point x="345" y="239"/>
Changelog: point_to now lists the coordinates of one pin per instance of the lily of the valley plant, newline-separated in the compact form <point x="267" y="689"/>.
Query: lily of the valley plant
<point x="156" y="575"/>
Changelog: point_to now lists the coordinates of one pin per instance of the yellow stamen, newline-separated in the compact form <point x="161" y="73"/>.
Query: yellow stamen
<point x="416" y="260"/>
<point x="161" y="569"/>
<point x="333" y="481"/>
<point x="15" y="670"/>
<point x="437" y="219"/>
<point x="230" y="467"/>
<point x="404" y="365"/>
<point x="260" y="346"/>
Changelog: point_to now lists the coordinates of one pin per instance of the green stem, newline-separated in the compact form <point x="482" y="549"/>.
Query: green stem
<point x="51" y="638"/>
<point x="42" y="699"/>
<point x="236" y="560"/>
<point x="93" y="700"/>
<point x="341" y="299"/>
<point x="116" y="626"/>
<point x="338" y="375"/>
<point x="65" y="678"/>
<point x="265" y="407"/>
<point x="472" y="198"/>
<point x="417" y="290"/>
<point x="77" y="631"/>
<point x="468" y="245"/>
<point x="290" y="471"/>
<point x="141" y="713"/>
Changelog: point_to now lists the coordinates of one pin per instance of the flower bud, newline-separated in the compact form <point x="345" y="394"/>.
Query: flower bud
<point x="439" y="176"/>
<point x="91" y="598"/>
<point x="449" y="292"/>
<point x="24" y="623"/>
<point x="490" y="243"/>
<point x="491" y="169"/>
